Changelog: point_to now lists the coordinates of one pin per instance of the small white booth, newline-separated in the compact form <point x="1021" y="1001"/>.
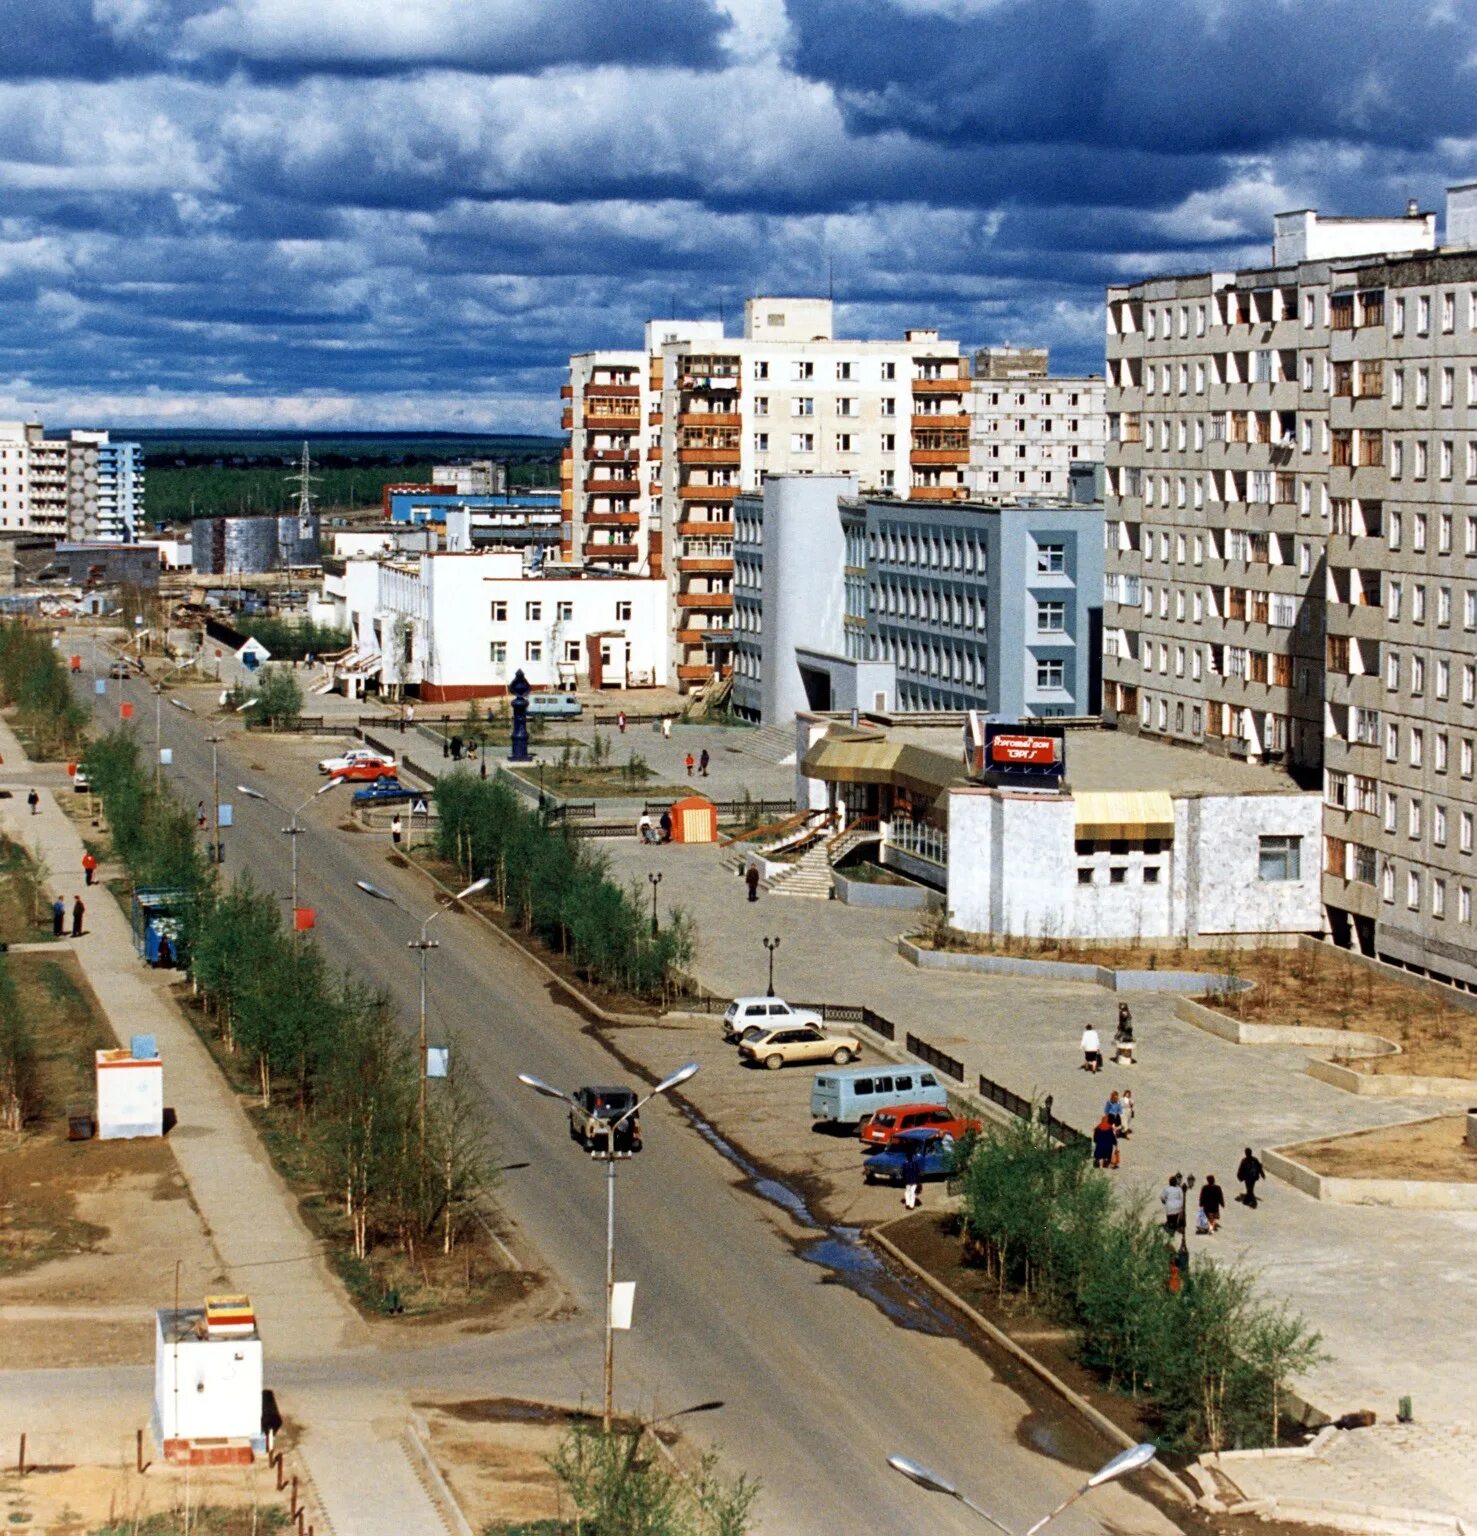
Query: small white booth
<point x="208" y="1382"/>
<point x="130" y="1091"/>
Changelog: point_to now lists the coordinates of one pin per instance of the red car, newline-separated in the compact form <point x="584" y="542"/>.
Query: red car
<point x="887" y="1123"/>
<point x="367" y="769"/>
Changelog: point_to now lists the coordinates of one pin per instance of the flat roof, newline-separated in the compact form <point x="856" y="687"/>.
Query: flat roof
<point x="1116" y="760"/>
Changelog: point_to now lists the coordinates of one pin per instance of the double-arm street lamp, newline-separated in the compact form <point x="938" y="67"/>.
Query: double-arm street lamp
<point x="293" y="829"/>
<point x="424" y="944"/>
<point x="538" y="1085"/>
<point x="1133" y="1459"/>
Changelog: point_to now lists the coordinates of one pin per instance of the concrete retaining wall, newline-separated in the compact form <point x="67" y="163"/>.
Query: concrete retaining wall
<point x="871" y="893"/>
<point x="1393" y="1085"/>
<point x="1067" y="970"/>
<point x="1405" y="1194"/>
<point x="1347" y="1042"/>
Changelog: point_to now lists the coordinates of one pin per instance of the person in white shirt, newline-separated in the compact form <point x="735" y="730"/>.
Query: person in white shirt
<point x="1092" y="1050"/>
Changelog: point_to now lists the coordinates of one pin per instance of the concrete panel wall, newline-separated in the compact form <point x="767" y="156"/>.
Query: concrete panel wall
<point x="1222" y="850"/>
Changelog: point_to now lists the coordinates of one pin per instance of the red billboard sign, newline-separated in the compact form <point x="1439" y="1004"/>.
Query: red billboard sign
<point x="1035" y="751"/>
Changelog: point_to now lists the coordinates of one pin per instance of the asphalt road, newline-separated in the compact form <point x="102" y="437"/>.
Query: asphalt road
<point x="818" y="1384"/>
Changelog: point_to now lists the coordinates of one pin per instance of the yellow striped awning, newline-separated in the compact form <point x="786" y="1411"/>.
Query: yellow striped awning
<point x="1129" y="815"/>
<point x="846" y="759"/>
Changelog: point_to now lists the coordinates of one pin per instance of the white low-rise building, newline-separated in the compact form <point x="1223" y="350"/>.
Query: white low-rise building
<point x="460" y="625"/>
<point x="1139" y="841"/>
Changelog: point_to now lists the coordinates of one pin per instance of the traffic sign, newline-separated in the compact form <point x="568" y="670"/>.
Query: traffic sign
<point x="419" y="808"/>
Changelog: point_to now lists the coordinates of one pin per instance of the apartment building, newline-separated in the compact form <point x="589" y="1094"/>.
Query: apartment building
<point x="1218" y="456"/>
<point x="1027" y="428"/>
<point x="913" y="607"/>
<point x="472" y="477"/>
<point x="81" y="486"/>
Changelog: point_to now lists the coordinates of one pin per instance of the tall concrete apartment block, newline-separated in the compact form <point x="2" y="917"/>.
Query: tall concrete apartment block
<point x="1336" y="619"/>
<point x="1028" y="428"/>
<point x="663" y="441"/>
<point x="81" y="486"/>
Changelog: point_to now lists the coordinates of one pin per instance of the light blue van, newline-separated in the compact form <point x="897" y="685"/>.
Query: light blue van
<point x="849" y="1097"/>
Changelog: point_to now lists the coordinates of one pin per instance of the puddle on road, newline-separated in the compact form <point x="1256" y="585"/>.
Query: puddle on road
<point x="839" y="1251"/>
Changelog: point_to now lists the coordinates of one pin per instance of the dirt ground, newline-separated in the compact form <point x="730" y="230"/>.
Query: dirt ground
<point x="495" y="1455"/>
<point x="79" y="1501"/>
<point x="1423" y="1149"/>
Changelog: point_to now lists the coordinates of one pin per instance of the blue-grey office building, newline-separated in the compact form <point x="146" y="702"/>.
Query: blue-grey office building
<point x="843" y="602"/>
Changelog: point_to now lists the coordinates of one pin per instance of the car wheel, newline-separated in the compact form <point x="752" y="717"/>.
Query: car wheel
<point x="868" y="1177"/>
<point x="841" y="1057"/>
<point x="774" y="1063"/>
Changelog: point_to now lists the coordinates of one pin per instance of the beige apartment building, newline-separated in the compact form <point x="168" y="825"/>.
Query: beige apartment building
<point x="1028" y="428"/>
<point x="81" y="486"/>
<point x="1292" y="567"/>
<point x="663" y="440"/>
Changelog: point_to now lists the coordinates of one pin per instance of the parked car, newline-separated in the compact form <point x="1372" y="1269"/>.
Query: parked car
<point x="591" y="1115"/>
<point x="366" y="770"/>
<point x="745" y="1014"/>
<point x="123" y="669"/>
<point x="338" y="765"/>
<point x="82" y="779"/>
<point x="883" y="1128"/>
<point x="794" y="1043"/>
<point x="845" y="1098"/>
<point x="935" y="1148"/>
<point x="385" y="790"/>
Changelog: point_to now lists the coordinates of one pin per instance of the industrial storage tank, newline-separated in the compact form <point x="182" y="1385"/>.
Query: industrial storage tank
<point x="253" y="546"/>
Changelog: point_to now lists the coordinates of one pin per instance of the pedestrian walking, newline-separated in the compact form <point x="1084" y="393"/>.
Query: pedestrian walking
<point x="667" y="727"/>
<point x="689" y="760"/>
<point x="645" y="828"/>
<point x="751" y="879"/>
<point x="912" y="1177"/>
<point x="33" y="800"/>
<point x="1212" y="1201"/>
<point x="1249" y="1172"/>
<point x="620" y="721"/>
<point x="703" y="761"/>
<point x="1126" y="1099"/>
<point x="200" y="817"/>
<point x="1104" y="1144"/>
<point x="666" y="826"/>
<point x="1172" y="1198"/>
<point x="456" y="749"/>
<point x="396" y="829"/>
<point x="78" y="913"/>
<point x="58" y="917"/>
<point x="1113" y="1112"/>
<point x="1123" y="1038"/>
<point x="1092" y="1050"/>
<point x="89" y="867"/>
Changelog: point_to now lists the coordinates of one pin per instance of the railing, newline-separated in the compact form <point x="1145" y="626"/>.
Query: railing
<point x="862" y="829"/>
<point x="920" y="839"/>
<point x="670" y="714"/>
<point x="304" y="724"/>
<point x="1026" y="1109"/>
<point x="774" y="828"/>
<point x="570" y="810"/>
<point x="950" y="1066"/>
<point x="832" y="1013"/>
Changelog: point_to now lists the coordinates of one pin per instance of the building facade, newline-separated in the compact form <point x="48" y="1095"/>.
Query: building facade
<point x="1027" y="428"/>
<point x="472" y="477"/>
<point x="80" y="486"/>
<point x="908" y="606"/>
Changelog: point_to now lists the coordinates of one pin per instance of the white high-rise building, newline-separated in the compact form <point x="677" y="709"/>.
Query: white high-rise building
<point x="81" y="486"/>
<point x="1027" y="428"/>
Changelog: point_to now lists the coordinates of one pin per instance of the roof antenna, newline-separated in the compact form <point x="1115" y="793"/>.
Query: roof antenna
<point x="830" y="277"/>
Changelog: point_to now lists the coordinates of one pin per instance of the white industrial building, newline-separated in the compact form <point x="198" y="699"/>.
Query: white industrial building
<point x="460" y="624"/>
<point x="1139" y="841"/>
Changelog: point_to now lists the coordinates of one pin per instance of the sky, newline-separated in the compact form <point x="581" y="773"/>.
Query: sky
<point x="406" y="214"/>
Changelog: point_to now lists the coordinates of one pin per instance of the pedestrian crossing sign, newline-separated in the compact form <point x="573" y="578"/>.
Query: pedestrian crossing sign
<point x="419" y="808"/>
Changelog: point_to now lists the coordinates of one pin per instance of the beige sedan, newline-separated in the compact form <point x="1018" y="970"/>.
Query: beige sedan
<point x="794" y="1043"/>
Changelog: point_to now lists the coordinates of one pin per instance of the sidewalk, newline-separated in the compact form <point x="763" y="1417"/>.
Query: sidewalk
<point x="1200" y="1100"/>
<point x="252" y="1217"/>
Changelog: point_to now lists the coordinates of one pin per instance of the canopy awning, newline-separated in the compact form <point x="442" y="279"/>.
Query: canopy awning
<point x="1125" y="815"/>
<point x="861" y="760"/>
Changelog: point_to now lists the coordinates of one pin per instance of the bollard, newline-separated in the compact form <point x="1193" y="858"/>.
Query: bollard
<point x="20" y="1465"/>
<point x="138" y="1449"/>
<point x="281" y="1473"/>
<point x="293" y="1512"/>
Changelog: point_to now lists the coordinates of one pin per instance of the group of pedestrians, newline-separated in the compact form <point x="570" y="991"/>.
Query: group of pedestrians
<point x="1115" y="1125"/>
<point x="1211" y="1203"/>
<point x="700" y="762"/>
<point x="59" y="917"/>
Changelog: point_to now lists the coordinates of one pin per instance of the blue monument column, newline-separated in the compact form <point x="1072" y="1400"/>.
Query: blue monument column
<point x="520" y="689"/>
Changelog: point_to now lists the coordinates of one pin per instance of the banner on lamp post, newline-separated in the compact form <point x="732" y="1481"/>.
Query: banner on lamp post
<point x="622" y="1303"/>
<point x="166" y="755"/>
<point x="99" y="685"/>
<point x="125" y="710"/>
<point x="304" y="918"/>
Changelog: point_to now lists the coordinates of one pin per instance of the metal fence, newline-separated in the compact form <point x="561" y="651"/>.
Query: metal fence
<point x="1013" y="1103"/>
<point x="572" y="810"/>
<point x="670" y="714"/>
<point x="304" y="725"/>
<point x="950" y="1066"/>
<point x="832" y="1013"/>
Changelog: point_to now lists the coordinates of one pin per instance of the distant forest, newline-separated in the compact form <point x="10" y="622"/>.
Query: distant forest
<point x="200" y="474"/>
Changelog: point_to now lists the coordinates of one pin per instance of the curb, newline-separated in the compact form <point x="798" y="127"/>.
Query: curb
<point x="417" y="1440"/>
<point x="1074" y="1400"/>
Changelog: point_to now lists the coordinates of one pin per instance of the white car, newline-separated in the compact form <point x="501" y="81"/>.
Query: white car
<point x="357" y="755"/>
<point x="746" y="1015"/>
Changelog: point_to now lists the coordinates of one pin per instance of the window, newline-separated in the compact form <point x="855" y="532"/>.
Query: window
<point x="889" y="406"/>
<point x="802" y="405"/>
<point x="1151" y="874"/>
<point x="889" y="371"/>
<point x="761" y="442"/>
<point x="846" y="405"/>
<point x="1412" y="879"/>
<point x="845" y="370"/>
<point x="761" y="405"/>
<point x="572" y="650"/>
<point x="533" y="612"/>
<point x="761" y="368"/>
<point x="499" y="653"/>
<point x="1050" y="674"/>
<point x="1397" y="318"/>
<point x="1413" y="817"/>
<point x="802" y="368"/>
<point x="802" y="442"/>
<point x="1280" y="858"/>
<point x="1117" y="876"/>
<point x="1423" y="315"/>
<point x="623" y="612"/>
<point x="533" y="651"/>
<point x="1051" y="558"/>
<point x="564" y="612"/>
<point x="1051" y="618"/>
<point x="1387" y="874"/>
<point x="843" y="442"/>
<point x="1084" y="875"/>
<point x="500" y="613"/>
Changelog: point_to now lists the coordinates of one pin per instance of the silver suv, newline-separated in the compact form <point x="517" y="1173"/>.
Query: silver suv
<point x="746" y="1015"/>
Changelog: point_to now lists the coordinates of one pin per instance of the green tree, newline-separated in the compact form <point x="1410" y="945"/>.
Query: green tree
<point x="277" y="698"/>
<point x="20" y="1079"/>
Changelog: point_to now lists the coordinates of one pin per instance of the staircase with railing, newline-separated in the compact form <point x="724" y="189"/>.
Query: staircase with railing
<point x="861" y="829"/>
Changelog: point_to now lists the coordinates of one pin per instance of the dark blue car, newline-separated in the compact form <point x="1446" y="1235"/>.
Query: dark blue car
<point x="385" y="790"/>
<point x="934" y="1148"/>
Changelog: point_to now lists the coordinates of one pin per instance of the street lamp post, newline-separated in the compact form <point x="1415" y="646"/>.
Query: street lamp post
<point x="217" y="848"/>
<point x="293" y="829"/>
<point x="538" y="1085"/>
<point x="1133" y="1459"/>
<point x="656" y="880"/>
<point x="771" y="945"/>
<point x="423" y="944"/>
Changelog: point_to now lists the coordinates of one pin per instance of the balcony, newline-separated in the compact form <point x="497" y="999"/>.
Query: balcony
<point x="696" y="636"/>
<point x="707" y="492"/>
<point x="566" y="391"/>
<point x="593" y="551"/>
<point x="612" y="391"/>
<point x="695" y="672"/>
<point x="613" y="519"/>
<point x="610" y="420"/>
<point x="715" y="456"/>
<point x="566" y="421"/>
<point x="927" y="456"/>
<point x="730" y="419"/>
<point x="954" y="386"/>
<point x="937" y="493"/>
<point x="612" y="487"/>
<point x="711" y="602"/>
<point x="705" y="530"/>
<point x="654" y="454"/>
<point x="1362" y="621"/>
<point x="653" y="418"/>
<point x="709" y="565"/>
<point x="612" y="455"/>
<point x="957" y="422"/>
